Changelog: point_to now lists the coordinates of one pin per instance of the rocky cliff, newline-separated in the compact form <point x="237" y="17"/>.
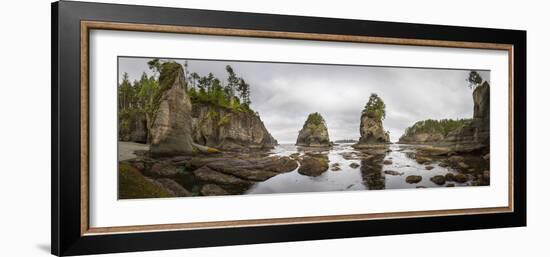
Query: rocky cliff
<point x="180" y="125"/>
<point x="227" y="129"/>
<point x="171" y="129"/>
<point x="456" y="135"/>
<point x="475" y="134"/>
<point x="372" y="131"/>
<point x="314" y="133"/>
<point x="422" y="138"/>
<point x="431" y="131"/>
<point x="133" y="127"/>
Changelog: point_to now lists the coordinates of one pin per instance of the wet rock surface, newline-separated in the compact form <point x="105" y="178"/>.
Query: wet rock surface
<point x="439" y="180"/>
<point x="313" y="165"/>
<point x="413" y="179"/>
<point x="305" y="170"/>
<point x="213" y="189"/>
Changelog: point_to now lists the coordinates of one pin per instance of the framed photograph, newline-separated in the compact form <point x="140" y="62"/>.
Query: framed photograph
<point x="178" y="128"/>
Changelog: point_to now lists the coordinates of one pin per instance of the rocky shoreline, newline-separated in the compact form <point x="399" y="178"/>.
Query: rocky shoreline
<point x="471" y="136"/>
<point x="199" y="148"/>
<point x="233" y="173"/>
<point x="214" y="174"/>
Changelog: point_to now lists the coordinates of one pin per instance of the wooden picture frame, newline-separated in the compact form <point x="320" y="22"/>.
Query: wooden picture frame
<point x="71" y="25"/>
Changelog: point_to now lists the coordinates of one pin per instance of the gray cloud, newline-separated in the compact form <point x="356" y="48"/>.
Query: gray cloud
<point x="284" y="94"/>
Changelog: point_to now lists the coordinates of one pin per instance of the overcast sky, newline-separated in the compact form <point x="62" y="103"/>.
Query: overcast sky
<point x="284" y="94"/>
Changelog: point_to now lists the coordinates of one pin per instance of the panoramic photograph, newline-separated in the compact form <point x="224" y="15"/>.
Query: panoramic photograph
<point x="191" y="127"/>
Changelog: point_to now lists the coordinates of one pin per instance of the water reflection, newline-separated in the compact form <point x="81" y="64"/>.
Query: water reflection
<point x="371" y="172"/>
<point x="357" y="170"/>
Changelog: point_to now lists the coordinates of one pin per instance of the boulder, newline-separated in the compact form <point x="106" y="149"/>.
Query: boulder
<point x="313" y="165"/>
<point x="439" y="180"/>
<point x="171" y="129"/>
<point x="460" y="178"/>
<point x="335" y="167"/>
<point x="354" y="165"/>
<point x="393" y="173"/>
<point x="450" y="177"/>
<point x="314" y="133"/>
<point x="413" y="179"/>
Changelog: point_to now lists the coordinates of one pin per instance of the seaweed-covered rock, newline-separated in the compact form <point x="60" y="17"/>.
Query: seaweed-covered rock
<point x="314" y="133"/>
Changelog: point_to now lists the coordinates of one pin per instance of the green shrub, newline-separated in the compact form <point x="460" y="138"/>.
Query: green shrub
<point x="315" y="119"/>
<point x="375" y="108"/>
<point x="444" y="126"/>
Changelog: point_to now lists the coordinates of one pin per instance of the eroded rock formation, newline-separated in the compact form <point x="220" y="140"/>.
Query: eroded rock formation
<point x="475" y="134"/>
<point x="372" y="132"/>
<point x="229" y="130"/>
<point x="314" y="133"/>
<point x="171" y="129"/>
<point x="422" y="138"/>
<point x="468" y="135"/>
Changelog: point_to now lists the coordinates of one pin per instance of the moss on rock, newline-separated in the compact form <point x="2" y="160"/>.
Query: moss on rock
<point x="132" y="184"/>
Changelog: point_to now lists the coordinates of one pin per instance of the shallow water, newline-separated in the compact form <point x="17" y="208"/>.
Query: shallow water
<point x="365" y="177"/>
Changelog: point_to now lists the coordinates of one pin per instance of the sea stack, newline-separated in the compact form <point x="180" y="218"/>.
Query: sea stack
<point x="371" y="129"/>
<point x="171" y="129"/>
<point x="314" y="133"/>
<point x="474" y="135"/>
